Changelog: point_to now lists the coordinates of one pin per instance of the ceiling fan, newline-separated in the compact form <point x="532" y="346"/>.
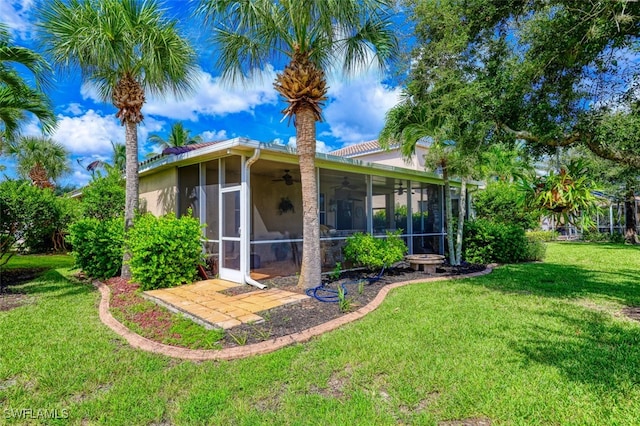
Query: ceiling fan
<point x="400" y="190"/>
<point x="286" y="178"/>
<point x="345" y="184"/>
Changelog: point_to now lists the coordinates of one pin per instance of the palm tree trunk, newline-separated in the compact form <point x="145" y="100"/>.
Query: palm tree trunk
<point x="131" y="198"/>
<point x="448" y="211"/>
<point x="306" y="146"/>
<point x="462" y="212"/>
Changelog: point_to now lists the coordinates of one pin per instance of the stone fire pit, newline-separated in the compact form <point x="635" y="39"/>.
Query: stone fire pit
<point x="425" y="262"/>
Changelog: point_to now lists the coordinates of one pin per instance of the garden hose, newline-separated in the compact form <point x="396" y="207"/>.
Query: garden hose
<point x="329" y="295"/>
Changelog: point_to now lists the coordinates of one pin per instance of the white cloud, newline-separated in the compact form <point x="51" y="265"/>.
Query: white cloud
<point x="91" y="133"/>
<point x="211" y="97"/>
<point x="213" y="135"/>
<point x="74" y="108"/>
<point x="15" y="15"/>
<point x="358" y="108"/>
<point x="320" y="145"/>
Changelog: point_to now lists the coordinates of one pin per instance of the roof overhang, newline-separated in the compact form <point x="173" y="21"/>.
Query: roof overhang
<point x="276" y="152"/>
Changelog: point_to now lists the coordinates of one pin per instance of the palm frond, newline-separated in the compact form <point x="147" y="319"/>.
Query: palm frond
<point x="30" y="151"/>
<point x="342" y="35"/>
<point x="108" y="39"/>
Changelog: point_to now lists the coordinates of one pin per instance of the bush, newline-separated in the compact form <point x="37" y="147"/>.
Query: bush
<point x="375" y="253"/>
<point x="487" y="242"/>
<point x="98" y="246"/>
<point x="503" y="202"/>
<point x="165" y="251"/>
<point x="602" y="237"/>
<point x="104" y="197"/>
<point x="544" y="236"/>
<point x="34" y="219"/>
<point x="536" y="250"/>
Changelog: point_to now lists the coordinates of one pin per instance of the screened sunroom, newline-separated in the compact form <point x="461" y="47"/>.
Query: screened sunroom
<point x="248" y="197"/>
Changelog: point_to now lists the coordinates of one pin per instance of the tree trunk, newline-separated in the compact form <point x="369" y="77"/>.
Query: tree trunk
<point x="462" y="212"/>
<point x="448" y="211"/>
<point x="630" y="222"/>
<point x="306" y="146"/>
<point x="131" y="198"/>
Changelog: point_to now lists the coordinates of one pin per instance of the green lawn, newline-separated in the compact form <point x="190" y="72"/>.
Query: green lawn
<point x="539" y="343"/>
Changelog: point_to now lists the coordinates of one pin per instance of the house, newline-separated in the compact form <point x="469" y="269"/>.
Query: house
<point x="248" y="195"/>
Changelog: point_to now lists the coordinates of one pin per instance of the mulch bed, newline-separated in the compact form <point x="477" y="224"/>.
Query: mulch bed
<point x="296" y="317"/>
<point x="155" y="322"/>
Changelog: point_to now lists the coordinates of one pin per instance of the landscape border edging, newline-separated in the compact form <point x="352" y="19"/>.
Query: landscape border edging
<point x="259" y="348"/>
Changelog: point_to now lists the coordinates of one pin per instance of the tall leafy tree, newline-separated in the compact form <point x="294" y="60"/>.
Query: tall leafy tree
<point x="620" y="128"/>
<point x="17" y="98"/>
<point x="126" y="48"/>
<point x="316" y="37"/>
<point x="179" y="136"/>
<point x="40" y="159"/>
<point x="547" y="64"/>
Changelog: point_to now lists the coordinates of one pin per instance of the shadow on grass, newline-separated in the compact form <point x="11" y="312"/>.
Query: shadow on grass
<point x="53" y="281"/>
<point x="564" y="281"/>
<point x="587" y="349"/>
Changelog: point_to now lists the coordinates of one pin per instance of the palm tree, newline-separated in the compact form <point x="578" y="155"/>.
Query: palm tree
<point x="179" y="136"/>
<point x="504" y="163"/>
<point x="454" y="151"/>
<point x="126" y="48"/>
<point x="40" y="159"/>
<point x="16" y="97"/>
<point x="315" y="37"/>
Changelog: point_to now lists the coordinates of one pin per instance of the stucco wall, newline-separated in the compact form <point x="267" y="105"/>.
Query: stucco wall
<point x="158" y="192"/>
<point x="394" y="158"/>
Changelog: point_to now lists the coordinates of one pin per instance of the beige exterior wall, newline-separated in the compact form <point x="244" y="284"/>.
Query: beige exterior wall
<point x="394" y="158"/>
<point x="158" y="192"/>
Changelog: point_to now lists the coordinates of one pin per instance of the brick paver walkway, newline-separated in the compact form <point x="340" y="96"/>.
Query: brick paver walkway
<point x="203" y="302"/>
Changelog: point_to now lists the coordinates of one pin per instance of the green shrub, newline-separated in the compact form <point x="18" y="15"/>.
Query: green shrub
<point x="375" y="253"/>
<point x="503" y="202"/>
<point x="165" y="251"/>
<point x="544" y="236"/>
<point x="36" y="218"/>
<point x="487" y="242"/>
<point x="98" y="246"/>
<point x="536" y="250"/>
<point x="104" y="197"/>
<point x="601" y="237"/>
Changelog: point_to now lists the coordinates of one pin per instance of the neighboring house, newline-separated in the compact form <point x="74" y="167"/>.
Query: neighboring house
<point x="248" y="194"/>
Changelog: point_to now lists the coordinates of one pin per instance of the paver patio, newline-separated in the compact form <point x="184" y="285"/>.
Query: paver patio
<point x="203" y="302"/>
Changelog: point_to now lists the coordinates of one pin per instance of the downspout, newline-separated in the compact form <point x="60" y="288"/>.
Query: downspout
<point x="248" y="164"/>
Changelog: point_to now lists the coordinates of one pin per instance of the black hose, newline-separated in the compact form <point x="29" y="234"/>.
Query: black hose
<point x="329" y="295"/>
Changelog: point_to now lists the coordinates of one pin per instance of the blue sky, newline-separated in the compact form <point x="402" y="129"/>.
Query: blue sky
<point x="86" y="126"/>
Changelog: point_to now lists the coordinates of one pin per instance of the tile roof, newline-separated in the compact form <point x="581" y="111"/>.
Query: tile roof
<point x="357" y="149"/>
<point x="187" y="148"/>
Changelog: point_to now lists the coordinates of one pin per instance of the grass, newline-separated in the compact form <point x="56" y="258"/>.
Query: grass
<point x="40" y="261"/>
<point x="539" y="343"/>
<point x="157" y="323"/>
